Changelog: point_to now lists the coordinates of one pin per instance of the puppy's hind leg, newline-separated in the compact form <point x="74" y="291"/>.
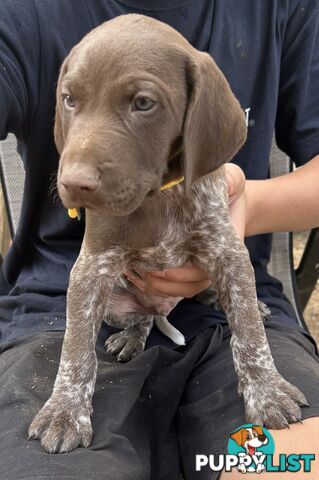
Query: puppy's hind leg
<point x="129" y="342"/>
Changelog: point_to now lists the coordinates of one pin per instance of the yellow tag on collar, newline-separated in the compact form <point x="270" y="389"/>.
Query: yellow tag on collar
<point x="172" y="183"/>
<point x="74" y="213"/>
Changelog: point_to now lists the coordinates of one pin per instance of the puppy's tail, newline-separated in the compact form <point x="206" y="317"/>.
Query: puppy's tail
<point x="168" y="330"/>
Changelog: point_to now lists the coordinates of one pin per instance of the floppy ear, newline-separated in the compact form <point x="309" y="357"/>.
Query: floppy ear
<point x="238" y="437"/>
<point x="258" y="429"/>
<point x="59" y="125"/>
<point x="215" y="126"/>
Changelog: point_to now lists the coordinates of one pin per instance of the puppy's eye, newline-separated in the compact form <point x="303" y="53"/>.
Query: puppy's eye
<point x="68" y="101"/>
<point x="143" y="104"/>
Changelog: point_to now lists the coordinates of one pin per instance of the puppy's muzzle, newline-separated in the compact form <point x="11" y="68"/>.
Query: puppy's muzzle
<point x="78" y="186"/>
<point x="84" y="185"/>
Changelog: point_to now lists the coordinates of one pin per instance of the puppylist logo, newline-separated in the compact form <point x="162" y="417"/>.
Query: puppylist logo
<point x="251" y="444"/>
<point x="250" y="450"/>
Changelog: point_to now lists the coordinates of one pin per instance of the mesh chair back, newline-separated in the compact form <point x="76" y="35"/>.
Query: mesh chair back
<point x="12" y="180"/>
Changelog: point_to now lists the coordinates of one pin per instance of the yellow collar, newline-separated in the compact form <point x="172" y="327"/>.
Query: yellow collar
<point x="172" y="183"/>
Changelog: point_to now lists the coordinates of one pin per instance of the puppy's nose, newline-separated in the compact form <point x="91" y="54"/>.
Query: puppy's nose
<point x="80" y="181"/>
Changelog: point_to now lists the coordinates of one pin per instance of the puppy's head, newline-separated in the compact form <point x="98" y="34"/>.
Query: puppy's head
<point x="137" y="107"/>
<point x="250" y="438"/>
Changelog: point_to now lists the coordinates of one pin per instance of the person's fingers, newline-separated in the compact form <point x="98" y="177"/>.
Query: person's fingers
<point x="187" y="273"/>
<point x="237" y="211"/>
<point x="237" y="203"/>
<point x="165" y="288"/>
<point x="235" y="180"/>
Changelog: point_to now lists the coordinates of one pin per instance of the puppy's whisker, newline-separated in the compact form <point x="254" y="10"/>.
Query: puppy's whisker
<point x="53" y="189"/>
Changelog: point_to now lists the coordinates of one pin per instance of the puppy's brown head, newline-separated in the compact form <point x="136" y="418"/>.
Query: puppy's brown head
<point x="137" y="106"/>
<point x="244" y="435"/>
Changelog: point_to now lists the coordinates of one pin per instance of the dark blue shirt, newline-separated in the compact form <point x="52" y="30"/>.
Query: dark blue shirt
<point x="268" y="51"/>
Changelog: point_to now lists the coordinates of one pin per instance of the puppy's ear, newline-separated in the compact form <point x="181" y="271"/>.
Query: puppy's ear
<point x="215" y="126"/>
<point x="238" y="437"/>
<point x="258" y="429"/>
<point x="59" y="125"/>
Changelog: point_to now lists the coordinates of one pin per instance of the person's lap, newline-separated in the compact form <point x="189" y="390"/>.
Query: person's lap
<point x="151" y="415"/>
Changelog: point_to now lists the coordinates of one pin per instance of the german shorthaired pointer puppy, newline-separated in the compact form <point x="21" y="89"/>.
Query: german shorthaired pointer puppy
<point x="137" y="108"/>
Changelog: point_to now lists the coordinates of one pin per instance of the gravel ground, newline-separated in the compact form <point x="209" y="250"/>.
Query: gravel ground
<point x="311" y="313"/>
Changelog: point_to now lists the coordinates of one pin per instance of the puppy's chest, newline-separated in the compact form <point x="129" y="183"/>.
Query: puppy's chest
<point x="167" y="251"/>
<point x="162" y="248"/>
<point x="164" y="233"/>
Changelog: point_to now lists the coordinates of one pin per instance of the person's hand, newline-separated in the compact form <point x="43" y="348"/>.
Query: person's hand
<point x="190" y="280"/>
<point x="236" y="192"/>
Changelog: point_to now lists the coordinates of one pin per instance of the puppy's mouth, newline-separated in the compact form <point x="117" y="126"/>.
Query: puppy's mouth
<point x="119" y="202"/>
<point x="114" y="192"/>
<point x="251" y="450"/>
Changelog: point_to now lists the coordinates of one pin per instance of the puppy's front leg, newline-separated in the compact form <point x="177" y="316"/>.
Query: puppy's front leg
<point x="269" y="399"/>
<point x="64" y="422"/>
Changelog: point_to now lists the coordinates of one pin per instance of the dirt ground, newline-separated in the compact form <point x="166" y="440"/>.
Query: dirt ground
<point x="311" y="313"/>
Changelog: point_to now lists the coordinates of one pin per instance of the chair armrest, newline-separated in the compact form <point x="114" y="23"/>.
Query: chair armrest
<point x="281" y="265"/>
<point x="307" y="273"/>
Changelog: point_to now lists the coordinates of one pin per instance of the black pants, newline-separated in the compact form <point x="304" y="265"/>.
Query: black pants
<point x="151" y="415"/>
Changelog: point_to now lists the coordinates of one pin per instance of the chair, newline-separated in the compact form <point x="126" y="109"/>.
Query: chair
<point x="298" y="285"/>
<point x="12" y="180"/>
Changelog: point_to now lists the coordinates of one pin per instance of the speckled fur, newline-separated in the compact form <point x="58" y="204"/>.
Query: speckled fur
<point x="198" y="127"/>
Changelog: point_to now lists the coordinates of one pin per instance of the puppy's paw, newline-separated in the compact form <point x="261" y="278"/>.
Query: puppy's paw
<point x="241" y="468"/>
<point x="274" y="403"/>
<point x="125" y="345"/>
<point x="61" y="427"/>
<point x="260" y="467"/>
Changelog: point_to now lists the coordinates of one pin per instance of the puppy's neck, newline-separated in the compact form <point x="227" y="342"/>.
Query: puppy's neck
<point x="141" y="229"/>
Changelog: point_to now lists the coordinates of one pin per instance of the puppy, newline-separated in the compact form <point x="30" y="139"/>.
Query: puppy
<point x="250" y="439"/>
<point x="129" y="121"/>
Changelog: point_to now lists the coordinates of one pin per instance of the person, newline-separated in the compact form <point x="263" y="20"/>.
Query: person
<point x="155" y="413"/>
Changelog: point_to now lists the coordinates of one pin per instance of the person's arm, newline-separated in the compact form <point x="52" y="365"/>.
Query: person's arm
<point x="286" y="203"/>
<point x="19" y="66"/>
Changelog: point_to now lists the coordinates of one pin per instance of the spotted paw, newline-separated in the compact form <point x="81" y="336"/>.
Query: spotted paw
<point x="275" y="403"/>
<point x="124" y="345"/>
<point x="61" y="427"/>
